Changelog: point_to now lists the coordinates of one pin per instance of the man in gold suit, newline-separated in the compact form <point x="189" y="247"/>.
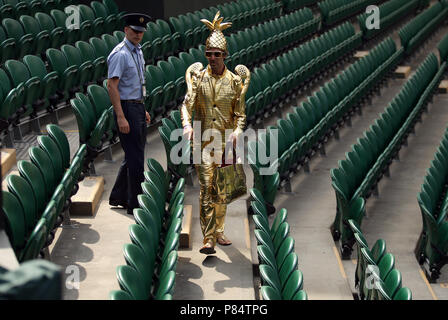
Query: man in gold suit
<point x="215" y="96"/>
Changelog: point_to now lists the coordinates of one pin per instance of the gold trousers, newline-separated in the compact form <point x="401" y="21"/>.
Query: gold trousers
<point x="212" y="215"/>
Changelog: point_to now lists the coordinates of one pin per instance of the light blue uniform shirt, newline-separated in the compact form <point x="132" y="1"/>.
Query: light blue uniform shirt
<point x="121" y="64"/>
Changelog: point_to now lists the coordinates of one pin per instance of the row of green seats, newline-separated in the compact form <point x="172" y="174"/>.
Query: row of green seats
<point x="272" y="82"/>
<point x="16" y="8"/>
<point x="95" y="119"/>
<point x="357" y="176"/>
<point x="29" y="87"/>
<point x="282" y="88"/>
<point x="36" y="200"/>
<point x="177" y="170"/>
<point x="259" y="42"/>
<point x="160" y="42"/>
<point x="34" y="35"/>
<point x="432" y="246"/>
<point x="376" y="277"/>
<point x="421" y="27"/>
<point x="241" y="13"/>
<point x="333" y="11"/>
<point x="306" y="129"/>
<point x="152" y="257"/>
<point x="390" y="12"/>
<point x="278" y="263"/>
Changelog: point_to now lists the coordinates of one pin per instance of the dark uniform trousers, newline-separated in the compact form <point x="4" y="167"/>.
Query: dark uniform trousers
<point x="130" y="176"/>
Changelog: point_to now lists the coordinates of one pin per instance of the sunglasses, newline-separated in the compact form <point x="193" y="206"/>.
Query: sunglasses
<point x="218" y="54"/>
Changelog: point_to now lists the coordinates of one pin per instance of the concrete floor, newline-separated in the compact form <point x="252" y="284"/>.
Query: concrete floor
<point x="94" y="246"/>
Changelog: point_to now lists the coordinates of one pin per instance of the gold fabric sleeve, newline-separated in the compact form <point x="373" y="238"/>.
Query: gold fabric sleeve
<point x="192" y="76"/>
<point x="240" y="103"/>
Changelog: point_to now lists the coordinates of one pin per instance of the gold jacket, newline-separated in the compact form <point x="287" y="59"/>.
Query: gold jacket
<point x="218" y="102"/>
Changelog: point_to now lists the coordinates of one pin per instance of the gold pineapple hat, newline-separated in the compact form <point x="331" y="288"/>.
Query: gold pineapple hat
<point x="216" y="39"/>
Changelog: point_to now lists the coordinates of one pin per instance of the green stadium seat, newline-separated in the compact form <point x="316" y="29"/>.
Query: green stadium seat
<point x="166" y="285"/>
<point x="85" y="69"/>
<point x="68" y="75"/>
<point x="20" y="76"/>
<point x="15" y="221"/>
<point x="59" y="137"/>
<point x="71" y="34"/>
<point x="88" y="54"/>
<point x="48" y="81"/>
<point x="293" y="285"/>
<point x="120" y="295"/>
<point x="51" y="148"/>
<point x="403" y="294"/>
<point x="131" y="281"/>
<point x="41" y="37"/>
<point x="35" y="241"/>
<point x="143" y="264"/>
<point x="88" y="16"/>
<point x="7" y="46"/>
<point x="111" y="22"/>
<point x="20" y="187"/>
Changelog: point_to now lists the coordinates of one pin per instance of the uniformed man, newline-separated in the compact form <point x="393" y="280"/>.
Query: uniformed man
<point x="126" y="86"/>
<point x="216" y="97"/>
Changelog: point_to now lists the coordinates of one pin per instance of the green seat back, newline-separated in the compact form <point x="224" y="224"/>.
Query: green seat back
<point x="40" y="158"/>
<point x="269" y="277"/>
<point x="403" y="293"/>
<point x="166" y="285"/>
<point x="17" y="71"/>
<point x="20" y="187"/>
<point x="57" y="60"/>
<point x="120" y="295"/>
<point x="30" y="25"/>
<point x="15" y="220"/>
<point x="100" y="99"/>
<point x="32" y="174"/>
<point x="87" y="51"/>
<point x="147" y="219"/>
<point x="51" y="148"/>
<point x="293" y="285"/>
<point x="72" y="54"/>
<point x="99" y="9"/>
<point x="131" y="281"/>
<point x="35" y="241"/>
<point x="142" y="237"/>
<point x="35" y="66"/>
<point x="59" y="137"/>
<point x="100" y="47"/>
<point x="59" y="17"/>
<point x="269" y="293"/>
<point x="136" y="258"/>
<point x="13" y="28"/>
<point x="45" y="21"/>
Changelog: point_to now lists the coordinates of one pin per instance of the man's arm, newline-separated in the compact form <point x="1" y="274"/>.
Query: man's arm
<point x="112" y="87"/>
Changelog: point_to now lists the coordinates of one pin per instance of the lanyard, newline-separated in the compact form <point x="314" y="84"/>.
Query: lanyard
<point x="138" y="69"/>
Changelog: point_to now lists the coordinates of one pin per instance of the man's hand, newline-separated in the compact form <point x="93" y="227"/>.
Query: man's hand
<point x="123" y="125"/>
<point x="148" y="118"/>
<point x="188" y="132"/>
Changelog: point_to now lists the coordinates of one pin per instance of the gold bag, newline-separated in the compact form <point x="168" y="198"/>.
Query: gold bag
<point x="229" y="182"/>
